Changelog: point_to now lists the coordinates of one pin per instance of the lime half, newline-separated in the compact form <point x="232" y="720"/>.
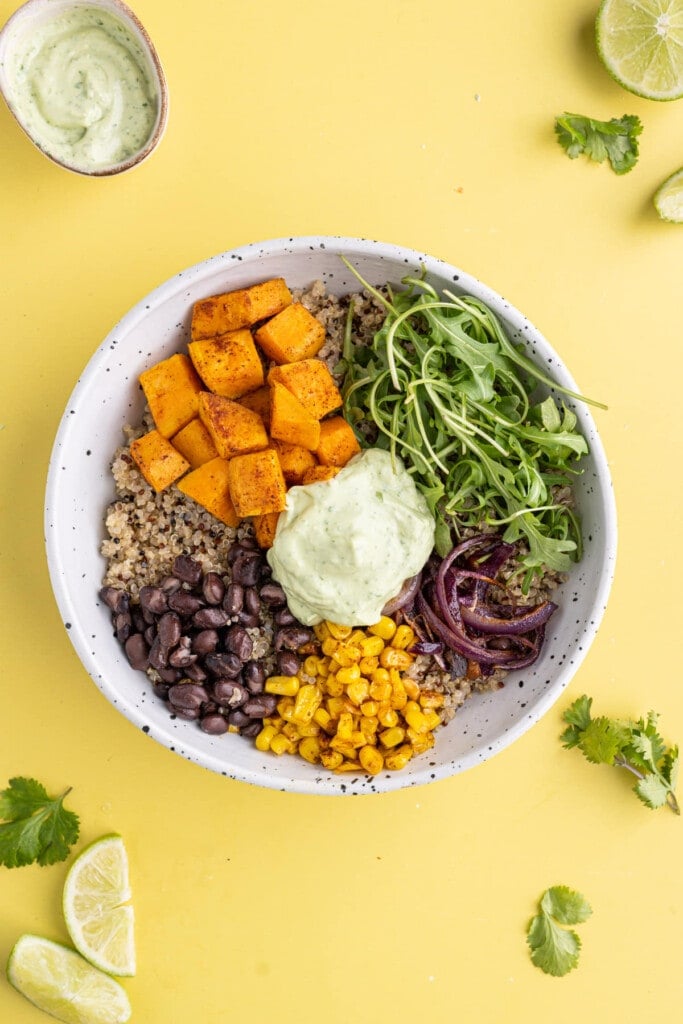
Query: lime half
<point x="62" y="983"/>
<point x="668" y="198"/>
<point x="98" y="916"/>
<point x="641" y="45"/>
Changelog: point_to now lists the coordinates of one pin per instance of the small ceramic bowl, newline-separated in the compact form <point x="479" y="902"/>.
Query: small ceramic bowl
<point x="34" y="14"/>
<point x="80" y="486"/>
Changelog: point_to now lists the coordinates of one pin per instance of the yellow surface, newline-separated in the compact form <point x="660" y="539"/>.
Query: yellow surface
<point x="428" y="124"/>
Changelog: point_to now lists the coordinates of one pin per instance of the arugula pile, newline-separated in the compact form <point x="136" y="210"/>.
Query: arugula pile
<point x="555" y="949"/>
<point x="34" y="826"/>
<point x="448" y="392"/>
<point x="634" y="745"/>
<point x="615" y="140"/>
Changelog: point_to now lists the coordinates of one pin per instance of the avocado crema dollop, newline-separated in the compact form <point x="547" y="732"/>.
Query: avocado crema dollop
<point x="345" y="546"/>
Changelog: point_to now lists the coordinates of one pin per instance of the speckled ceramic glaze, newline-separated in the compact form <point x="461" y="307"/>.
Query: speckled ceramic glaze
<point x="107" y="396"/>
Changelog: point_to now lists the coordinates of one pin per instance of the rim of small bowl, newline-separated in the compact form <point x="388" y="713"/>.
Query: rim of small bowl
<point x="127" y="15"/>
<point x="330" y="784"/>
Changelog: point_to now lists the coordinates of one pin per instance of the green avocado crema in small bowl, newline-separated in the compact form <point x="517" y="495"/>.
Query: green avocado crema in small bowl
<point x="84" y="82"/>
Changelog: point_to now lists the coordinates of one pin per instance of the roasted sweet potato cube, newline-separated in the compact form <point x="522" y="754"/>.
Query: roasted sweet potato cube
<point x="290" y="422"/>
<point x="208" y="486"/>
<point x="317" y="474"/>
<point x="240" y="308"/>
<point x="229" y="365"/>
<point x="195" y="444"/>
<point x="264" y="528"/>
<point x="158" y="461"/>
<point x="233" y="429"/>
<point x="311" y="382"/>
<point x="258" y="401"/>
<point x="171" y="388"/>
<point x="294" y="461"/>
<point x="292" y="335"/>
<point x="257" y="485"/>
<point x="338" y="442"/>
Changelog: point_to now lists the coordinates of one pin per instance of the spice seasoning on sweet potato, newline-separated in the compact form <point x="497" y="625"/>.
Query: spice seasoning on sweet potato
<point x="171" y="388"/>
<point x="311" y="383"/>
<point x="194" y="443"/>
<point x="292" y="335"/>
<point x="209" y="487"/>
<point x="241" y="308"/>
<point x="337" y="443"/>
<point x="157" y="459"/>
<point x="229" y="364"/>
<point x="290" y="421"/>
<point x="256" y="483"/>
<point x="234" y="429"/>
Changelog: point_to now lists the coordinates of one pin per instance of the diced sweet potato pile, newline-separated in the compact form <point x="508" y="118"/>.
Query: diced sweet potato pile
<point x="249" y="412"/>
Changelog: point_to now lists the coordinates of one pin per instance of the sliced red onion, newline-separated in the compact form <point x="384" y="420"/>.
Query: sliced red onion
<point x="405" y="595"/>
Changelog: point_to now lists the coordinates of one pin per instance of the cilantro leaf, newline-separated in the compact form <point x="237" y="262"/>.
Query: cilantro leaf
<point x="35" y="826"/>
<point x="553" y="948"/>
<point x="615" y="140"/>
<point x="634" y="745"/>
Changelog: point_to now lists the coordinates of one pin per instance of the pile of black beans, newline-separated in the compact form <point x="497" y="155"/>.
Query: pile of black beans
<point x="190" y="635"/>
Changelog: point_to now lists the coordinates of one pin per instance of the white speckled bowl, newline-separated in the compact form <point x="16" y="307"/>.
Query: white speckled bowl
<point x="35" y="12"/>
<point x="79" y="488"/>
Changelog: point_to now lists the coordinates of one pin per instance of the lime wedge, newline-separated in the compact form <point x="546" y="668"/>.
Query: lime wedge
<point x="96" y="909"/>
<point x="61" y="982"/>
<point x="641" y="44"/>
<point x="668" y="198"/>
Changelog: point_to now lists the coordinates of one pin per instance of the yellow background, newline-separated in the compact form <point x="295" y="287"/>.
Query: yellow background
<point x="428" y="124"/>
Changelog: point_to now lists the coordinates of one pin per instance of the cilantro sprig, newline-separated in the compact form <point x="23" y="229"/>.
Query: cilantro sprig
<point x="634" y="745"/>
<point x="554" y="948"/>
<point x="35" y="827"/>
<point x="615" y="140"/>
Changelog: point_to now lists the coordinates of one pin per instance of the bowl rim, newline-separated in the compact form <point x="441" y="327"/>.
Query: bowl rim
<point x="125" y="14"/>
<point x="335" y="785"/>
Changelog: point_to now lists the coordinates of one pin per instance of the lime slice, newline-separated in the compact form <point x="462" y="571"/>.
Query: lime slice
<point x="61" y="982"/>
<point x="97" y="915"/>
<point x="641" y="45"/>
<point x="668" y="198"/>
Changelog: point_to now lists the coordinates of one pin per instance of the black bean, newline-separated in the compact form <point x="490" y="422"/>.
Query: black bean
<point x="237" y="641"/>
<point x="196" y="673"/>
<point x="115" y="599"/>
<point x="252" y="602"/>
<point x="246" y="568"/>
<point x="249" y="544"/>
<point x="283" y="617"/>
<point x="187" y="569"/>
<point x="213" y="588"/>
<point x="261" y="706"/>
<point x="290" y="638"/>
<point x="182" y="656"/>
<point x="161" y="690"/>
<point x="170" y="585"/>
<point x="169" y="675"/>
<point x="169" y="629"/>
<point x="205" y="642"/>
<point x="154" y="600"/>
<point x="229" y="693"/>
<point x="234" y="598"/>
<point x="251" y="730"/>
<point x="238" y="718"/>
<point x="213" y="724"/>
<point x="184" y="603"/>
<point x="123" y="626"/>
<point x="149" y="633"/>
<point x="254" y="676"/>
<point x="226" y="665"/>
<point x="158" y="655"/>
<point x="139" y="624"/>
<point x="192" y="714"/>
<point x="210" y="618"/>
<point x="248" y="620"/>
<point x="137" y="651"/>
<point x="287" y="663"/>
<point x="273" y="595"/>
<point x="148" y="615"/>
<point x="187" y="695"/>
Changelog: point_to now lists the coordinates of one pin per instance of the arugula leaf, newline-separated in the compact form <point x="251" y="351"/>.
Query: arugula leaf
<point x="35" y="826"/>
<point x="634" y="745"/>
<point x="446" y="390"/>
<point x="553" y="948"/>
<point x="615" y="140"/>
